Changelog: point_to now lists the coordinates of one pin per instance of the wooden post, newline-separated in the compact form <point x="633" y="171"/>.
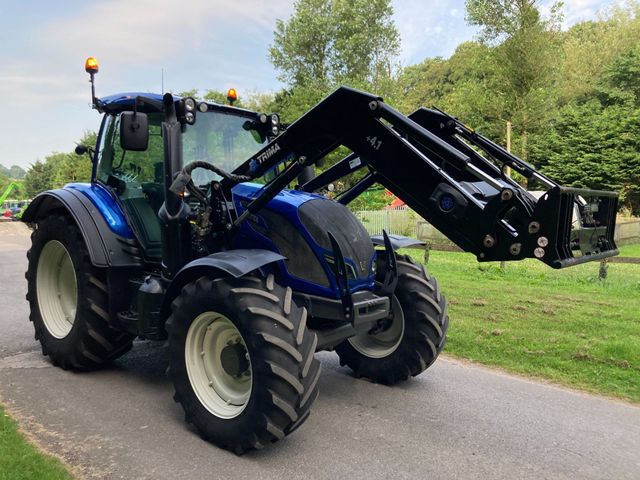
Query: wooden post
<point x="508" y="169"/>
<point x="427" y="251"/>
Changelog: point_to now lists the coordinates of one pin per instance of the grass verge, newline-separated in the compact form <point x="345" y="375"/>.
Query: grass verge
<point x="20" y="460"/>
<point x="630" y="250"/>
<point x="561" y="325"/>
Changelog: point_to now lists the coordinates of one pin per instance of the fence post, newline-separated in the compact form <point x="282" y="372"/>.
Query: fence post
<point x="427" y="250"/>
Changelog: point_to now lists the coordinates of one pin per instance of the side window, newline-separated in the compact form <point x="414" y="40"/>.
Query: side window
<point x="105" y="152"/>
<point x="140" y="167"/>
<point x="126" y="165"/>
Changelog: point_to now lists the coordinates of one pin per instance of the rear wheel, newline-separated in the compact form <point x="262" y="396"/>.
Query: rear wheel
<point x="242" y="360"/>
<point x="414" y="336"/>
<point x="68" y="299"/>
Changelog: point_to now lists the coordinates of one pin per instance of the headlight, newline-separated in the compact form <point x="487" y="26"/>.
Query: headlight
<point x="203" y="107"/>
<point x="274" y="130"/>
<point x="275" y="120"/>
<point x="189" y="117"/>
<point x="189" y="104"/>
<point x="263" y="118"/>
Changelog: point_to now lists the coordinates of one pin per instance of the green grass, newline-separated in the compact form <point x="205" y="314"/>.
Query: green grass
<point x="19" y="460"/>
<point x="630" y="250"/>
<point x="562" y="325"/>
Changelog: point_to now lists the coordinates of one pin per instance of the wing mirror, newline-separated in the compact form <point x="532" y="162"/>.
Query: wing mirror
<point x="82" y="149"/>
<point x="134" y="131"/>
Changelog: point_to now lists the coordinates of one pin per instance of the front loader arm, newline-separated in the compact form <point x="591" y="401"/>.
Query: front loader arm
<point x="428" y="161"/>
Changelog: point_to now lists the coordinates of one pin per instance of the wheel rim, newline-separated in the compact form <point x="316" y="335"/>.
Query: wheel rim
<point x="383" y="343"/>
<point x="211" y="340"/>
<point x="57" y="289"/>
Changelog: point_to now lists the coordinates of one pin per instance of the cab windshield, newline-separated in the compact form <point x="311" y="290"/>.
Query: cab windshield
<point x="222" y="139"/>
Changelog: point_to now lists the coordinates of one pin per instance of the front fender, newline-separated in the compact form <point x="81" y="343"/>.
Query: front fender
<point x="106" y="247"/>
<point x="397" y="241"/>
<point x="235" y="263"/>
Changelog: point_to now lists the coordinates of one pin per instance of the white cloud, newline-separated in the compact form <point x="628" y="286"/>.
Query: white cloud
<point x="432" y="28"/>
<point x="152" y="29"/>
<point x="576" y="11"/>
<point x="135" y="39"/>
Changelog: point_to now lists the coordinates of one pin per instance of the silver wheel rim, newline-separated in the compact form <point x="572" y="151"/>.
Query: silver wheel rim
<point x="384" y="343"/>
<point x="222" y="394"/>
<point x="56" y="289"/>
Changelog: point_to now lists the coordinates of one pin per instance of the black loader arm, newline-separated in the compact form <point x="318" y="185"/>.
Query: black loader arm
<point x="432" y="162"/>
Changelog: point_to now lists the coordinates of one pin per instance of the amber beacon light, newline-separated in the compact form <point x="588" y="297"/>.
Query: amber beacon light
<point x="232" y="95"/>
<point x="91" y="65"/>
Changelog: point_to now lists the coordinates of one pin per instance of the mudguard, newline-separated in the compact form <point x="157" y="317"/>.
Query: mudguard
<point x="231" y="262"/>
<point x="109" y="240"/>
<point x="397" y="241"/>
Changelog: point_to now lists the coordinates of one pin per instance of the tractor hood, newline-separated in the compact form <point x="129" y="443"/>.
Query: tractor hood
<point x="297" y="225"/>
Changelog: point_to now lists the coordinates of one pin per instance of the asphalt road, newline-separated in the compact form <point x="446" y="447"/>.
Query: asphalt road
<point x="455" y="421"/>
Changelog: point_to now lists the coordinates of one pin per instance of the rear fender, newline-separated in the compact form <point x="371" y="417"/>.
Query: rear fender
<point x="235" y="263"/>
<point x="106" y="247"/>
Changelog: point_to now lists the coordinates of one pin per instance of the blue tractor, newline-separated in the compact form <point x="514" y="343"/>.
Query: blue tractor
<point x="204" y="225"/>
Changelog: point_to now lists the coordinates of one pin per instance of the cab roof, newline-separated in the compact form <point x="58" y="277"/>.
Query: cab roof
<point x="152" y="102"/>
<point x="126" y="101"/>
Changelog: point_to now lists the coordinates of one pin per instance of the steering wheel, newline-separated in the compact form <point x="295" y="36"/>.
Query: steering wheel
<point x="184" y="182"/>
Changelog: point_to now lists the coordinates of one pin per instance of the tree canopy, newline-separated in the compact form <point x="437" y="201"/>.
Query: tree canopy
<point x="58" y="169"/>
<point x="328" y="43"/>
<point x="14" y="172"/>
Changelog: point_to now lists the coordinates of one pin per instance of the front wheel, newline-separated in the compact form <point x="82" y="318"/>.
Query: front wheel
<point x="414" y="336"/>
<point x="242" y="360"/>
<point x="69" y="299"/>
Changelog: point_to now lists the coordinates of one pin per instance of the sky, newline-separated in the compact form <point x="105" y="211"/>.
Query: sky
<point x="203" y="44"/>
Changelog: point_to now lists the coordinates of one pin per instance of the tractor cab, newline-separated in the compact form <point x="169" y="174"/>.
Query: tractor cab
<point x="222" y="134"/>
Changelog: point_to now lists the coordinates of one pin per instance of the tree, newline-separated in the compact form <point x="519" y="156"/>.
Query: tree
<point x="302" y="45"/>
<point x="366" y="44"/>
<point x="59" y="169"/>
<point x="39" y="178"/>
<point x="583" y="56"/>
<point x="15" y="172"/>
<point x="593" y="142"/>
<point x="458" y="85"/>
<point x="326" y="43"/>
<point x="621" y="78"/>
<point x="4" y="182"/>
<point x="525" y="55"/>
